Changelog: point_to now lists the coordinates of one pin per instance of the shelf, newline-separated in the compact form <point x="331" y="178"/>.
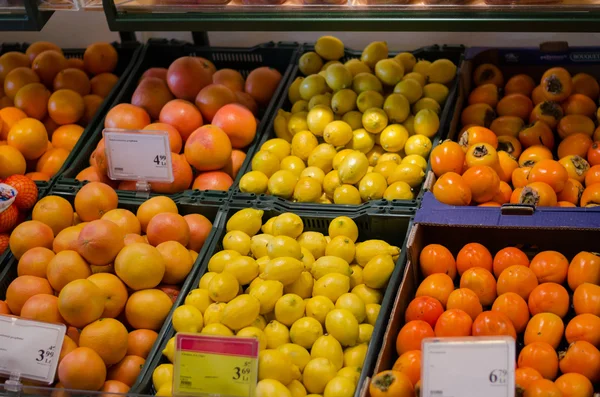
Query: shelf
<point x="181" y="15"/>
<point x="22" y="15"/>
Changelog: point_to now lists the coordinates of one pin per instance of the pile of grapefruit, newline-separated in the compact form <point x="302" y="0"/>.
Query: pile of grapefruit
<point x="209" y="115"/>
<point x="46" y="100"/>
<point x="98" y="269"/>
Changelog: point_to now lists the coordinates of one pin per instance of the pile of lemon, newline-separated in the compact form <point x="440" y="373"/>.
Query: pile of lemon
<point x="311" y="301"/>
<point x="357" y="131"/>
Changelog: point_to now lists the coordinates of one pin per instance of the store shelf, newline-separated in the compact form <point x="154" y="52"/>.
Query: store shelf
<point x="356" y="15"/>
<point x="22" y="15"/>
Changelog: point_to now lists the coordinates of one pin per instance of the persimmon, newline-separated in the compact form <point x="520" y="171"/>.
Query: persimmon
<point x="489" y="204"/>
<point x="473" y="255"/>
<point x="503" y="195"/>
<point x="486" y="93"/>
<point x="517" y="105"/>
<point x="519" y="84"/>
<point x="544" y="327"/>
<point x="585" y="84"/>
<point x="571" y="192"/>
<point x="574" y="385"/>
<point x="436" y="258"/>
<point x="533" y="154"/>
<point x="507" y="257"/>
<point x="537" y="133"/>
<point x="524" y="377"/>
<point x="515" y="196"/>
<point x="547" y="111"/>
<point x="482" y="154"/>
<point x="542" y="388"/>
<point x="488" y="73"/>
<point x="448" y="156"/>
<point x="574" y="145"/>
<point x="409" y="364"/>
<point x="586" y="299"/>
<point x="510" y="145"/>
<point x="539" y="194"/>
<point x="507" y="126"/>
<point x="592" y="176"/>
<point x="391" y="383"/>
<point x="593" y="154"/>
<point x="515" y="308"/>
<point x="537" y="96"/>
<point x="438" y="286"/>
<point x="520" y="177"/>
<point x="483" y="182"/>
<point x="556" y="84"/>
<point x="453" y="322"/>
<point x="476" y="135"/>
<point x="579" y="104"/>
<point x="518" y="279"/>
<point x="451" y="189"/>
<point x="465" y="300"/>
<point x="540" y="356"/>
<point x="549" y="298"/>
<point x="584" y="268"/>
<point x="411" y="335"/>
<point x="591" y="196"/>
<point x="585" y="327"/>
<point x="424" y="308"/>
<point x="583" y="358"/>
<point x="480" y="114"/>
<point x="550" y="267"/>
<point x="550" y="172"/>
<point x="493" y="323"/>
<point x="574" y="123"/>
<point x="482" y="282"/>
<point x="565" y="204"/>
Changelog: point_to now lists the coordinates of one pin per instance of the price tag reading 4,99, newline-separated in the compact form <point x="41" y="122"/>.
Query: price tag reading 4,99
<point x="215" y="366"/>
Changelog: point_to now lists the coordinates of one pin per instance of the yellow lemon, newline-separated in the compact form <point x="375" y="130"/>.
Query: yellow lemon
<point x="298" y="106"/>
<point x="338" y="77"/>
<point x="318" y="307"/>
<point x="411" y="89"/>
<point x="347" y="195"/>
<point x="407" y="60"/>
<point x="354" y="119"/>
<point x="418" y="144"/>
<point x="248" y="220"/>
<point x="271" y="388"/>
<point x="339" y="387"/>
<point x="279" y="147"/>
<point x="318" y="118"/>
<point x="372" y="186"/>
<point x="302" y="286"/>
<point x="329" y="264"/>
<point x="378" y="271"/>
<point x="398" y="191"/>
<point x="389" y="71"/>
<point x="216" y="329"/>
<point x="305" y="331"/>
<point x="329" y="48"/>
<point x="322" y="157"/>
<point x="277" y="334"/>
<point x="369" y="249"/>
<point x="199" y="298"/>
<point x="262" y="264"/>
<point x="352" y="373"/>
<point x="332" y="286"/>
<point x="237" y="241"/>
<point x="265" y="162"/>
<point x="282" y="245"/>
<point x="436" y="91"/>
<point x="356" y="276"/>
<point x="422" y="67"/>
<point x="353" y="167"/>
<point x="240" y="312"/>
<point x="323" y="99"/>
<point x="395" y="157"/>
<point x="223" y="287"/>
<point x="268" y="226"/>
<point x="317" y="373"/>
<point x="409" y="173"/>
<point x="303" y="143"/>
<point x="442" y="71"/>
<point x="365" y="331"/>
<point x="367" y="100"/>
<point x="169" y="350"/>
<point x="366" y="82"/>
<point x="427" y="123"/>
<point x="409" y="124"/>
<point x="280" y="125"/>
<point x="374" y="154"/>
<point x="307" y="190"/>
<point x="259" y="323"/>
<point x="293" y="164"/>
<point x="284" y="269"/>
<point x="289" y="308"/>
<point x="368" y="295"/>
<point x="256" y="333"/>
<point x="299" y="355"/>
<point x="267" y="294"/>
<point x="310" y="63"/>
<point x="343" y="226"/>
<point x="331" y="182"/>
<point x="165" y="391"/>
<point x="374" y="52"/>
<point x="337" y="133"/>
<point x="426" y="103"/>
<point x="282" y="184"/>
<point x="297" y="389"/>
<point x="328" y="347"/>
<point x="385" y="168"/>
<point x="313" y="172"/>
<point x="341" y="247"/>
<point x="393" y="138"/>
<point x="355" y="356"/>
<point x="342" y="325"/>
<point x="418" y="77"/>
<point x="254" y="182"/>
<point x="415" y="159"/>
<point x="273" y="364"/>
<point x="288" y="224"/>
<point x="258" y="244"/>
<point x="218" y="261"/>
<point x="314" y="242"/>
<point x="162" y="375"/>
<point x="307" y="258"/>
<point x="256" y="282"/>
<point x="357" y="66"/>
<point x="343" y="102"/>
<point x="294" y="90"/>
<point x="353" y="304"/>
<point x="339" y="157"/>
<point x="213" y="313"/>
<point x="312" y="85"/>
<point x="374" y="120"/>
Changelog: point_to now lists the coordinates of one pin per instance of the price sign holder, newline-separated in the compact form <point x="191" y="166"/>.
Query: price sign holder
<point x="215" y="366"/>
<point x="142" y="156"/>
<point x="468" y="367"/>
<point x="29" y="349"/>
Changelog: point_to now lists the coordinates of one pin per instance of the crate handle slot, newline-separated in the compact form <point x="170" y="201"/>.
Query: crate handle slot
<point x="517" y="209"/>
<point x="554" y="46"/>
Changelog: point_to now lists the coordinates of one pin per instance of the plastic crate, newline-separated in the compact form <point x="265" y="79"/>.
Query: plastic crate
<point x="8" y="265"/>
<point x="128" y="54"/>
<point x="160" y="53"/>
<point x="371" y="224"/>
<point x="453" y="53"/>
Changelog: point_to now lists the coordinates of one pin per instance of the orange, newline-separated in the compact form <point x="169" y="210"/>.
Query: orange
<point x="55" y="212"/>
<point x="17" y="79"/>
<point x="126" y="370"/>
<point x="208" y="148"/>
<point x="126" y="116"/>
<point x="9" y="116"/>
<point x="66" y="106"/>
<point x="66" y="136"/>
<point x="11" y="60"/>
<point x="91" y="104"/>
<point x="230" y="78"/>
<point x="114" y="291"/>
<point x="82" y="369"/>
<point x="174" y="135"/>
<point x="24" y="287"/>
<point x="140" y="266"/>
<point x="68" y="346"/>
<point x="165" y="227"/>
<point x="34" y="262"/>
<point x="182" y="176"/>
<point x="213" y="97"/>
<point x="200" y="228"/>
<point x="72" y="79"/>
<point x="52" y="161"/>
<point x="137" y="313"/>
<point x="65" y="267"/>
<point x="114" y="386"/>
<point x="29" y="137"/>
<point x="94" y="200"/>
<point x="154" y="206"/>
<point x="12" y="162"/>
<point x="100" y="58"/>
<point x="103" y="84"/>
<point x="212" y="180"/>
<point x="93" y="174"/>
<point x="81" y="302"/>
<point x="107" y="337"/>
<point x="140" y="342"/>
<point x="178" y="261"/>
<point x="38" y="47"/>
<point x="125" y="219"/>
<point x="238" y="123"/>
<point x="262" y="83"/>
<point x="30" y="234"/>
<point x="182" y="115"/>
<point x="33" y="100"/>
<point x="66" y="239"/>
<point x="48" y="64"/>
<point x="134" y="238"/>
<point x="42" y="307"/>
<point x="100" y="241"/>
<point x="38" y="176"/>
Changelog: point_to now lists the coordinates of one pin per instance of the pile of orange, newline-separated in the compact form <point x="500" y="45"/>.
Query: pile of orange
<point x="45" y="101"/>
<point x="110" y="275"/>
<point x="209" y="115"/>
<point x="507" y="295"/>
<point x="537" y="144"/>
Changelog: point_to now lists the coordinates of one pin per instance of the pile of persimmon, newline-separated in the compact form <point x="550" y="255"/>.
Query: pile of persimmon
<point x="46" y="100"/>
<point x="476" y="293"/>
<point x="537" y="144"/>
<point x="209" y="114"/>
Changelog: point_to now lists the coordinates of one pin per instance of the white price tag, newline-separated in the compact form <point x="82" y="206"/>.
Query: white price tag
<point x="138" y="155"/>
<point x="468" y="367"/>
<point x="30" y="349"/>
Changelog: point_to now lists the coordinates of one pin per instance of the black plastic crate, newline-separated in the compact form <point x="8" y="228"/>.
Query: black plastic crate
<point x="160" y="53"/>
<point x="431" y="53"/>
<point x="393" y="228"/>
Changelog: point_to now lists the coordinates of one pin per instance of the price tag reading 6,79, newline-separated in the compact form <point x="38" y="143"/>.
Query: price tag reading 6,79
<point x="215" y="366"/>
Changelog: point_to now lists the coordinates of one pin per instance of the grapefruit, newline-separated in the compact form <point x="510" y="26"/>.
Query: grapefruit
<point x="100" y="241"/>
<point x="165" y="227"/>
<point x="65" y="267"/>
<point x="107" y="337"/>
<point x="208" y="148"/>
<point x="24" y="287"/>
<point x="81" y="302"/>
<point x="94" y="200"/>
<point x="114" y="291"/>
<point x="154" y="206"/>
<point x="137" y="313"/>
<point x="55" y="212"/>
<point x="82" y="369"/>
<point x="140" y="266"/>
<point x="238" y="123"/>
<point x="30" y="234"/>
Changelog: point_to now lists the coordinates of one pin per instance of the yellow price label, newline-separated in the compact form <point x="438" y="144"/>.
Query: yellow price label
<point x="215" y="366"/>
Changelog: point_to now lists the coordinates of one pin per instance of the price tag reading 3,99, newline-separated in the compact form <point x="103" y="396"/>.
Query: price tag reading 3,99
<point x="468" y="367"/>
<point x="138" y="155"/>
<point x="215" y="366"/>
<point x="30" y="349"/>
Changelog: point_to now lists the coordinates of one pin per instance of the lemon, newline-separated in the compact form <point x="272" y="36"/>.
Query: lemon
<point x="289" y="308"/>
<point x="310" y="63"/>
<point x="254" y="182"/>
<point x="343" y="226"/>
<point x="307" y="190"/>
<point x="331" y="182"/>
<point x="407" y="59"/>
<point x="353" y="304"/>
<point x="322" y="157"/>
<point x="372" y="187"/>
<point x="259" y="322"/>
<point x="369" y="249"/>
<point x="318" y="307"/>
<point x="366" y="82"/>
<point x="213" y="313"/>
<point x="356" y="66"/>
<point x="362" y="141"/>
<point x="394" y="157"/>
<point x="327" y="65"/>
<point x="187" y="318"/>
<point x="307" y="258"/>
<point x="341" y="247"/>
<point x="314" y="242"/>
<point x="426" y="103"/>
<point x="374" y="52"/>
<point x="280" y="125"/>
<point x="248" y="220"/>
<point x="355" y="356"/>
<point x="165" y="391"/>
<point x="442" y="71"/>
<point x="427" y="123"/>
<point x="389" y="71"/>
<point x="265" y="162"/>
<point x="296" y="389"/>
<point x="337" y="133"/>
<point x="303" y="143"/>
<point x="293" y="164"/>
<point x="256" y="333"/>
<point x="279" y="147"/>
<point x="346" y="195"/>
<point x="282" y="246"/>
<point x="298" y="106"/>
<point x="354" y="119"/>
<point x="258" y="244"/>
<point x="369" y="99"/>
<point x="416" y="160"/>
<point x="374" y="154"/>
<point x="296" y="353"/>
<point x="409" y="173"/>
<point x="353" y="167"/>
<point x="339" y="157"/>
<point x="282" y="184"/>
<point x="397" y="108"/>
<point x="322" y="99"/>
<point x="342" y="325"/>
<point x="409" y="124"/>
<point x="238" y="241"/>
<point x="198" y="298"/>
<point x="223" y="287"/>
<point x="411" y="89"/>
<point x="216" y="329"/>
<point x="339" y="387"/>
<point x="317" y="373"/>
<point x="422" y="67"/>
<point x="368" y="295"/>
<point x="297" y="123"/>
<point x="343" y="101"/>
<point x="169" y="350"/>
<point x="273" y="364"/>
<point x="393" y="138"/>
<point x="332" y="286"/>
<point x="162" y="375"/>
<point x="257" y="281"/>
<point x="313" y="172"/>
<point x="240" y="312"/>
<point x="311" y="86"/>
<point x="328" y="265"/>
<point x="378" y="271"/>
<point x="283" y="269"/>
<point x="305" y="331"/>
<point x="217" y="262"/>
<point x="418" y="77"/>
<point x="356" y="276"/>
<point x="418" y="144"/>
<point x="437" y="92"/>
<point x="302" y="286"/>
<point x="365" y="331"/>
<point x="352" y="373"/>
<point x="277" y="334"/>
<point x="338" y="77"/>
<point x="268" y="226"/>
<point x="328" y="347"/>
<point x="294" y="90"/>
<point x="318" y="118"/>
<point x="374" y="120"/>
<point x="398" y="191"/>
<point x="329" y="48"/>
<point x="271" y="388"/>
<point x="288" y="224"/>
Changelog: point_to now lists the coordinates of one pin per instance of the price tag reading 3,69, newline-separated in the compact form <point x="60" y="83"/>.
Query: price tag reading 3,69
<point x="468" y="367"/>
<point x="30" y="349"/>
<point x="215" y="366"/>
<point x="138" y="155"/>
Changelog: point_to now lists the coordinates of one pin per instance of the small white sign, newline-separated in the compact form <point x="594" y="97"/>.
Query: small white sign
<point x="468" y="367"/>
<point x="30" y="349"/>
<point x="143" y="156"/>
